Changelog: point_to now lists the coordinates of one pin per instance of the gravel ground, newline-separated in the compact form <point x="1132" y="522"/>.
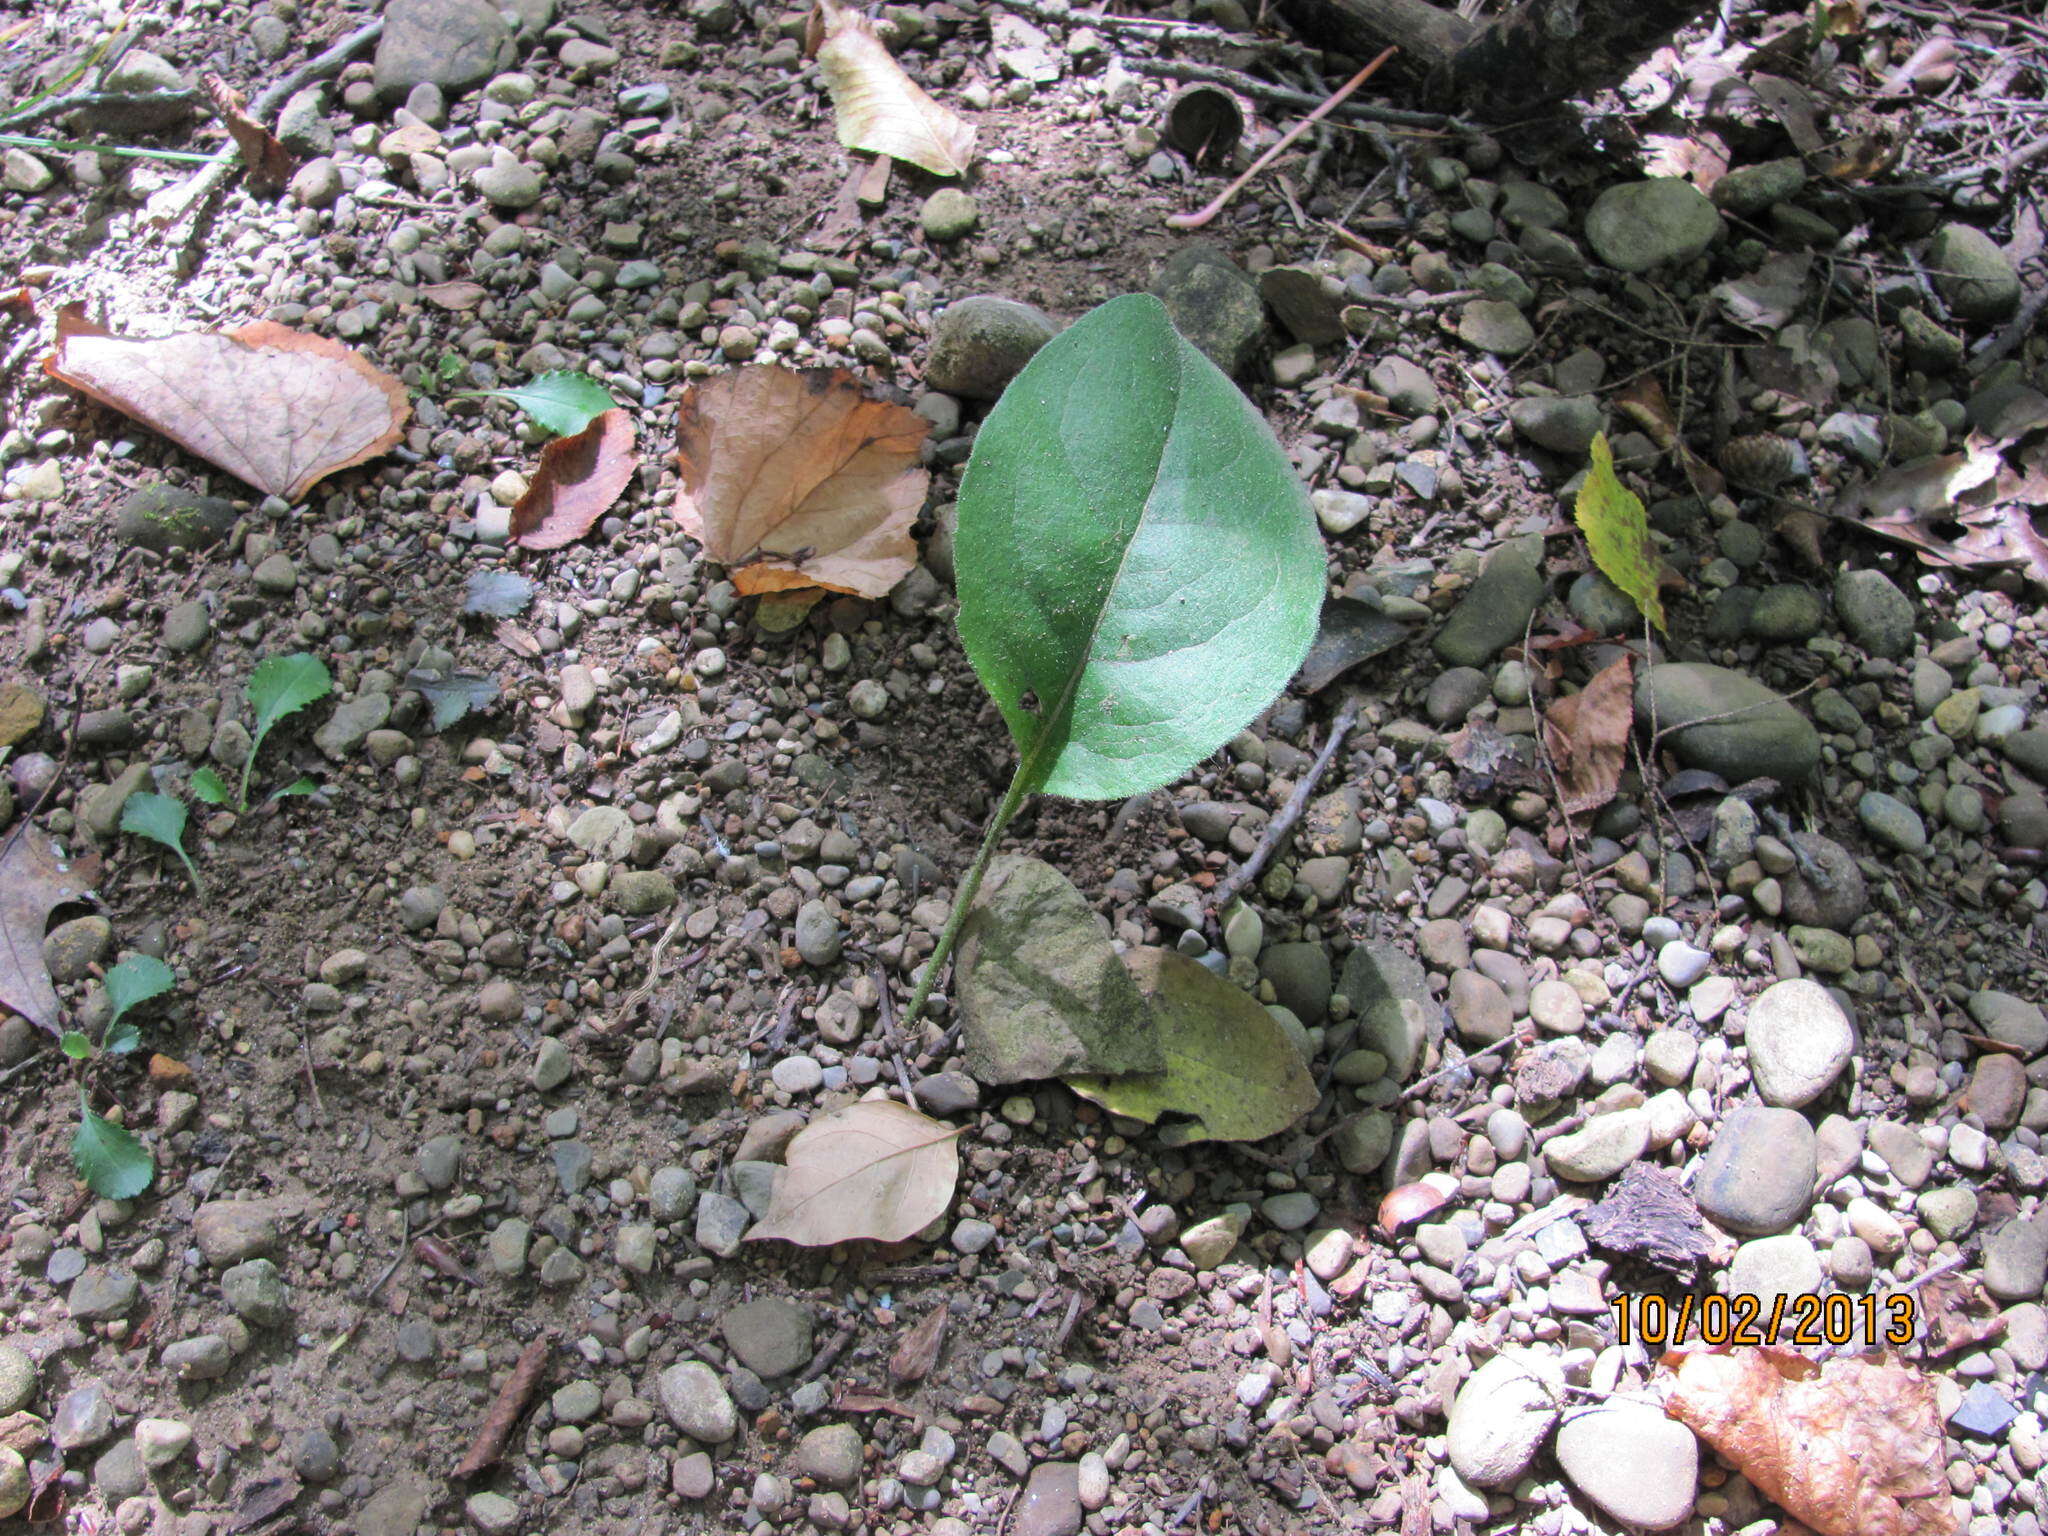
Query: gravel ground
<point x="406" y="1007"/>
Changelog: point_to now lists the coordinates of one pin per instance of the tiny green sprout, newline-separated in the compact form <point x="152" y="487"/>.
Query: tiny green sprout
<point x="161" y="819"/>
<point x="280" y="686"/>
<point x="110" y="1160"/>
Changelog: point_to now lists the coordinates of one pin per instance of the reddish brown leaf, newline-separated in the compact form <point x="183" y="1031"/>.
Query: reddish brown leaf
<point x="269" y="163"/>
<point x="799" y="480"/>
<point x="578" y="479"/>
<point x="276" y="408"/>
<point x="1852" y="1447"/>
<point x="1587" y="736"/>
<point x="33" y="883"/>
<point x="1958" y="1313"/>
<point x="919" y="1351"/>
<point x="853" y="1400"/>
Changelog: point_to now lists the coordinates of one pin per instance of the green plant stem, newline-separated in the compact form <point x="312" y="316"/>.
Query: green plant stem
<point x="248" y="763"/>
<point x="1005" y="813"/>
<point x="126" y="151"/>
<point x="192" y="870"/>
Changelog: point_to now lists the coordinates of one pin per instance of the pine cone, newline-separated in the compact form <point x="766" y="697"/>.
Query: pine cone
<point x="1764" y="462"/>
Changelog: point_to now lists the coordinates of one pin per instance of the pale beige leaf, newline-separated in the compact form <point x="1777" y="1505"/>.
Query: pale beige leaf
<point x="1853" y="1447"/>
<point x="877" y="106"/>
<point x="794" y="479"/>
<point x="874" y="1171"/>
<point x="1587" y="734"/>
<point x="275" y="408"/>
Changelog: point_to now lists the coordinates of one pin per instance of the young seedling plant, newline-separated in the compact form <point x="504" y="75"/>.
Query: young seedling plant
<point x="108" y="1157"/>
<point x="561" y="404"/>
<point x="1138" y="567"/>
<point x="280" y="686"/>
<point x="161" y="819"/>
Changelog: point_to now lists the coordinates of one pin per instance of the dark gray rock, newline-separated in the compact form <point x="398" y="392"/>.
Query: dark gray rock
<point x="1875" y="613"/>
<point x="1651" y="223"/>
<point x="771" y="1337"/>
<point x="454" y="44"/>
<point x="1214" y="305"/>
<point x="1757" y="1177"/>
<point x="981" y="343"/>
<point x="161" y="518"/>
<point x="1494" y="613"/>
<point x="1727" y="722"/>
<point x="1972" y="273"/>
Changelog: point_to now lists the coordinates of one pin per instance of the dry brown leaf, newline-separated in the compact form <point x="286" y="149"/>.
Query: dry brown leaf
<point x="1645" y="402"/>
<point x="577" y="480"/>
<point x="1793" y="106"/>
<point x="875" y="1171"/>
<point x="1700" y="157"/>
<point x="458" y="295"/>
<point x="919" y="1352"/>
<point x="270" y="164"/>
<point x="34" y="882"/>
<point x="876" y="105"/>
<point x="1587" y="736"/>
<point x="799" y="480"/>
<point x="276" y="408"/>
<point x="1930" y="67"/>
<point x="1852" y="1447"/>
<point x="1956" y="1312"/>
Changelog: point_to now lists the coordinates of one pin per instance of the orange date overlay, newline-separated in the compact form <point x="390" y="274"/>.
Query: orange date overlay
<point x="1805" y="1320"/>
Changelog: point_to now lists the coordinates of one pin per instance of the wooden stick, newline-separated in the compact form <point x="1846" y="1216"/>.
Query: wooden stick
<point x="1278" y="828"/>
<point x="1254" y="89"/>
<point x="1337" y="98"/>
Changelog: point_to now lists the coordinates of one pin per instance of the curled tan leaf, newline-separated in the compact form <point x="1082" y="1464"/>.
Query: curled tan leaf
<point x="1853" y="1447"/>
<point x="1587" y="736"/>
<point x="269" y="162"/>
<point x="874" y="1171"/>
<point x="276" y="408"/>
<point x="876" y="105"/>
<point x="796" y="479"/>
<point x="577" y="480"/>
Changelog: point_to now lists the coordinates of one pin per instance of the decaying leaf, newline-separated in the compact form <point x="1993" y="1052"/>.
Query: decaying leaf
<point x="914" y="1358"/>
<point x="1853" y="1447"/>
<point x="1618" y="533"/>
<point x="1927" y="487"/>
<point x="1794" y="107"/>
<point x="1986" y="500"/>
<point x="877" y="106"/>
<point x="33" y="883"/>
<point x="1351" y="632"/>
<point x="1650" y="409"/>
<point x="1700" y="157"/>
<point x="277" y="408"/>
<point x="269" y="162"/>
<point x="1929" y="67"/>
<point x="798" y="479"/>
<point x="1956" y="1313"/>
<point x="1769" y="296"/>
<point x="1650" y="1215"/>
<point x="1587" y="737"/>
<point x="874" y="1171"/>
<point x="576" y="482"/>
<point x="1230" y="1068"/>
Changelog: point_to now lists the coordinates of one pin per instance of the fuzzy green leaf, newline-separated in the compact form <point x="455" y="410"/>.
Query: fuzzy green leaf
<point x="73" y="1043"/>
<point x="1139" y="569"/>
<point x="210" y="787"/>
<point x="121" y="1037"/>
<point x="1618" y="533"/>
<point x="562" y="403"/>
<point x="283" y="685"/>
<point x="136" y="980"/>
<point x="112" y="1162"/>
<point x="156" y="817"/>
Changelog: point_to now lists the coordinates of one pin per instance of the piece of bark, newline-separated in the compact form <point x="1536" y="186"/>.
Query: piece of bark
<point x="507" y="1408"/>
<point x="1650" y="1215"/>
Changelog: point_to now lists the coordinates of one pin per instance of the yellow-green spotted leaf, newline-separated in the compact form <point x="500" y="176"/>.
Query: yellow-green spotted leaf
<point x="1618" y="533"/>
<point x="1231" y="1071"/>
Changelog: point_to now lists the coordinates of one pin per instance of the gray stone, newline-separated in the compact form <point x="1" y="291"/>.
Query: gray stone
<point x="1041" y="992"/>
<point x="1875" y="613"/>
<point x="818" y="939"/>
<point x="1639" y="1466"/>
<point x="1494" y="325"/>
<point x="316" y="1457"/>
<point x="1751" y="189"/>
<point x="1562" y="423"/>
<point x="1051" y="1502"/>
<point x="1727" y="722"/>
<point x="203" y="1357"/>
<point x="454" y="44"/>
<point x="1300" y="974"/>
<point x="981" y="343"/>
<point x="1213" y="304"/>
<point x="1600" y="1149"/>
<point x="948" y="214"/>
<point x="140" y="72"/>
<point x="351" y="723"/>
<point x="84" y="1418"/>
<point x="395" y="1509"/>
<point x="1651" y="223"/>
<point x="1363" y="1141"/>
<point x="1758" y="1175"/>
<point x="1601" y="606"/>
<point x="255" y="1290"/>
<point x="2016" y="1260"/>
<point x="1306" y="302"/>
<point x="15" y="1485"/>
<point x="830" y="1454"/>
<point x="1972" y="273"/>
<point x="721" y="1223"/>
<point x="506" y="183"/>
<point x="1409" y="390"/>
<point x="162" y="1441"/>
<point x="102" y="1294"/>
<point x="492" y="1513"/>
<point x="1892" y="822"/>
<point x="72" y="949"/>
<point x="1825" y="889"/>
<point x="2028" y="751"/>
<point x="697" y="1403"/>
<point x="187" y="626"/>
<point x="161" y="518"/>
<point x="1799" y="1040"/>
<point x="1787" y="613"/>
<point x="2011" y="1020"/>
<point x="17" y="1379"/>
<point x="641" y="892"/>
<point x="1771" y="1267"/>
<point x="1494" y="613"/>
<point x="1501" y="1417"/>
<point x="772" y="1337"/>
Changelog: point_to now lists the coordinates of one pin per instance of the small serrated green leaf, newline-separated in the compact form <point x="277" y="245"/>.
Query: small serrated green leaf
<point x="302" y="785"/>
<point x="210" y="787"/>
<point x="74" y="1044"/>
<point x="121" y="1038"/>
<point x="114" y="1165"/>
<point x="136" y="980"/>
<point x="156" y="817"/>
<point x="1618" y="533"/>
<point x="561" y="403"/>
<point x="282" y="685"/>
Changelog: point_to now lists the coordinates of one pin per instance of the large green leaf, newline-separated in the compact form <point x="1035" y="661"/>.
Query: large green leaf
<point x="131" y="983"/>
<point x="562" y="403"/>
<point x="1139" y="569"/>
<point x="1618" y="533"/>
<point x="162" y="820"/>
<point x="112" y="1162"/>
<point x="1230" y="1068"/>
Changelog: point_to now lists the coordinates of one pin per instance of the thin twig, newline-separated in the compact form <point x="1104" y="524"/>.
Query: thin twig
<point x="1412" y="301"/>
<point x="1283" y="823"/>
<point x="1284" y="96"/>
<point x="1518" y="1037"/>
<point x="1280" y="146"/>
<point x="645" y="990"/>
<point x="835" y="1346"/>
<point x="507" y="1407"/>
<point x="889" y="1032"/>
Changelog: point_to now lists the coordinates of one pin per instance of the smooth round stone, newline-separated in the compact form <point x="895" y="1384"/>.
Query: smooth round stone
<point x="1681" y="965"/>
<point x="1771" y="1267"/>
<point x="1555" y="1006"/>
<point x="1637" y="1465"/>
<point x="1501" y="1417"/>
<point x="1758" y="1175"/>
<point x="1799" y="1040"/>
<point x="797" y="1074"/>
<point x="1726" y="722"/>
<point x="1892" y="822"/>
<point x="1651" y="223"/>
<point x="1604" y="1146"/>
